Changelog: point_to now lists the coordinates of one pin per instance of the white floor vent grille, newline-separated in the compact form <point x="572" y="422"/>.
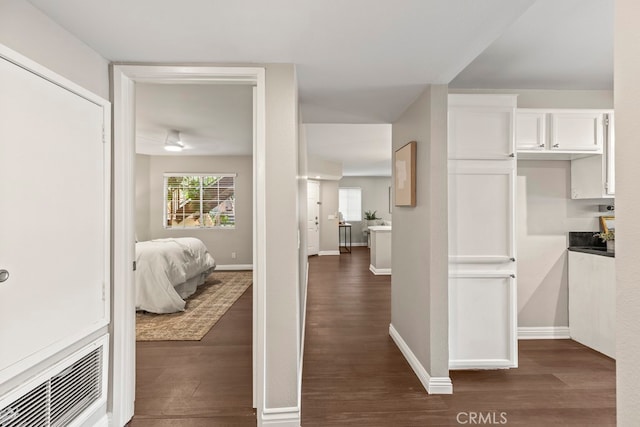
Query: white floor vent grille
<point x="72" y="386"/>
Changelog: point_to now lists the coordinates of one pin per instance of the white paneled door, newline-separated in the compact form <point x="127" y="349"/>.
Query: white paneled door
<point x="54" y="232"/>
<point x="313" y="217"/>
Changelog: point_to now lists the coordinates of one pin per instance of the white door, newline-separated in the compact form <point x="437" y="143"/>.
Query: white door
<point x="54" y="231"/>
<point x="313" y="217"/>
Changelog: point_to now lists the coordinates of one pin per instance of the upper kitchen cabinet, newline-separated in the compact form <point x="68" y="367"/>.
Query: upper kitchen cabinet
<point x="531" y="130"/>
<point x="559" y="134"/>
<point x="576" y="131"/>
<point x="594" y="177"/>
<point x="481" y="127"/>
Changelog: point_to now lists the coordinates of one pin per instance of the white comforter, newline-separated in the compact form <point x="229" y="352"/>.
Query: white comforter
<point x="164" y="264"/>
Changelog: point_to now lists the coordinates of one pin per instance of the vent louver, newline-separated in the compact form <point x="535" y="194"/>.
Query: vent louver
<point x="58" y="400"/>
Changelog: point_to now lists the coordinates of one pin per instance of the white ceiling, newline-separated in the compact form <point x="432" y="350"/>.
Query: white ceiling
<point x="564" y="44"/>
<point x="363" y="149"/>
<point x="212" y="119"/>
<point x="358" y="61"/>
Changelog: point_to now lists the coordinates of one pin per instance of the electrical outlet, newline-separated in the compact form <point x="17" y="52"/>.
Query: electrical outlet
<point x="233" y="255"/>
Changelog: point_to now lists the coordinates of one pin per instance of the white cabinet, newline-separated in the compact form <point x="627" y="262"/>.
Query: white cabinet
<point x="531" y="130"/>
<point x="482" y="263"/>
<point x="576" y="131"/>
<point x="592" y="301"/>
<point x="594" y="177"/>
<point x="560" y="131"/>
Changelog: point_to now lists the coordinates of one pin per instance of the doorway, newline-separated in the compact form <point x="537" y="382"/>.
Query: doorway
<point x="125" y="79"/>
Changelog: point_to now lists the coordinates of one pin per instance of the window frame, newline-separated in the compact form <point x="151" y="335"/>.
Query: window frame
<point x="165" y="200"/>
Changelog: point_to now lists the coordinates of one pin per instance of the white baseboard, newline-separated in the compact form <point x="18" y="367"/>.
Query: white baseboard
<point x="236" y="267"/>
<point x="543" y="333"/>
<point x="323" y="253"/>
<point x="380" y="271"/>
<point x="280" y="417"/>
<point x="359" y="244"/>
<point x="103" y="422"/>
<point x="433" y="385"/>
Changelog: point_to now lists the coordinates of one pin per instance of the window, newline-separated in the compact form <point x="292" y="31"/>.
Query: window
<point x="350" y="203"/>
<point x="200" y="201"/>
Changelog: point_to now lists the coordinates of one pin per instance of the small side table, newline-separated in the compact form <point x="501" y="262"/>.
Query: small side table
<point x="344" y="248"/>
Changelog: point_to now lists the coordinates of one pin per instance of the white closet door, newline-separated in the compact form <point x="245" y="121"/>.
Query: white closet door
<point x="313" y="217"/>
<point x="53" y="217"/>
<point x="477" y="133"/>
<point x="483" y="322"/>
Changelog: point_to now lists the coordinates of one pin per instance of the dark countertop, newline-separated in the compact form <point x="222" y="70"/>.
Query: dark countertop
<point x="588" y="243"/>
<point x="594" y="250"/>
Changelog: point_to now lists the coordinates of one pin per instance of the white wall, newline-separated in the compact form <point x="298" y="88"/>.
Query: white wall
<point x="328" y="207"/>
<point x="545" y="214"/>
<point x="535" y="98"/>
<point x="419" y="283"/>
<point x="375" y="197"/>
<point x="220" y="242"/>
<point x="143" y="197"/>
<point x="318" y="168"/>
<point x="28" y="31"/>
<point x="627" y="107"/>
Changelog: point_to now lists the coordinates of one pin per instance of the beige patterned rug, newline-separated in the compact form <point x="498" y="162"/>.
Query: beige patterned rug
<point x="204" y="308"/>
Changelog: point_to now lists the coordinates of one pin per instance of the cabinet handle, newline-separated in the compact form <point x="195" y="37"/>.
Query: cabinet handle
<point x="541" y="145"/>
<point x="513" y="276"/>
<point x="4" y="275"/>
<point x="512" y="155"/>
<point x="556" y="145"/>
<point x="512" y="259"/>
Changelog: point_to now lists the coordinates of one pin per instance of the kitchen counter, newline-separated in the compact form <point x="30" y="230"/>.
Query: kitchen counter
<point x="593" y="250"/>
<point x="586" y="242"/>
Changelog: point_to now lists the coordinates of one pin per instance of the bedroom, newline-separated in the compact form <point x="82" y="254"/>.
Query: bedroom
<point x="204" y="191"/>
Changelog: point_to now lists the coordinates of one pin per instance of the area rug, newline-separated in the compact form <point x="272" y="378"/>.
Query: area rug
<point x="204" y="308"/>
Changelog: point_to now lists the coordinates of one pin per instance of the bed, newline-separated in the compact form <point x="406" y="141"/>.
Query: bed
<point x="168" y="271"/>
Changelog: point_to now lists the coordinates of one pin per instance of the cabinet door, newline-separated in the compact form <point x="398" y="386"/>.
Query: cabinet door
<point x="481" y="214"/>
<point x="481" y="133"/>
<point x="576" y="131"/>
<point x="483" y="322"/>
<point x="531" y="131"/>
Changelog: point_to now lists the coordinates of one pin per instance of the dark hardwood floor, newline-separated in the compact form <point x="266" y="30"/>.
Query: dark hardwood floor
<point x="198" y="383"/>
<point x="355" y="375"/>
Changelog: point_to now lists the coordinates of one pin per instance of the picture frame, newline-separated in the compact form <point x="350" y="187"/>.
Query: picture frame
<point x="404" y="164"/>
<point x="607" y="223"/>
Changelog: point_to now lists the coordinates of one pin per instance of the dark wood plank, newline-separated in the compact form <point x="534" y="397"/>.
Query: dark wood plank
<point x="355" y="375"/>
<point x="199" y="383"/>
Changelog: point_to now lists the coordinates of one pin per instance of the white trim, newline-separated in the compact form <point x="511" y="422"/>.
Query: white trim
<point x="302" y="335"/>
<point x="482" y="364"/>
<point x="280" y="417"/>
<point x="380" y="271"/>
<point x="324" y="253"/>
<point x="103" y="422"/>
<point x="124" y="77"/>
<point x="359" y="244"/>
<point x="234" y="267"/>
<point x="433" y="385"/>
<point x="544" y="333"/>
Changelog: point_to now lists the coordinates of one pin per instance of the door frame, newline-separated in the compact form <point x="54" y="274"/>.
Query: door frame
<point x="124" y="77"/>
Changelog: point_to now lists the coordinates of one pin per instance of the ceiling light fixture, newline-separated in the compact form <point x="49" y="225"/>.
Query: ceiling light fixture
<point x="173" y="141"/>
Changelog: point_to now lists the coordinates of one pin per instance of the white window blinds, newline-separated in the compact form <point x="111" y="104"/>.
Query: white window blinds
<point x="350" y="203"/>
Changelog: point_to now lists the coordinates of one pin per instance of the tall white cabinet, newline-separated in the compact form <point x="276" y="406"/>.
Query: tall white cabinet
<point x="482" y="258"/>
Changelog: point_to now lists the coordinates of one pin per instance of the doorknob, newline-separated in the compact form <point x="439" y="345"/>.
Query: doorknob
<point x="4" y="275"/>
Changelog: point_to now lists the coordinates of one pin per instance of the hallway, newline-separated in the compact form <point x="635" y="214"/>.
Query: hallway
<point x="355" y="375"/>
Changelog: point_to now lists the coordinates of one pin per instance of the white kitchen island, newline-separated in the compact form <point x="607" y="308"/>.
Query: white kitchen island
<point x="380" y="249"/>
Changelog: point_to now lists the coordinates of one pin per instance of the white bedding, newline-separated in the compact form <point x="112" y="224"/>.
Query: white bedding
<point x="169" y="270"/>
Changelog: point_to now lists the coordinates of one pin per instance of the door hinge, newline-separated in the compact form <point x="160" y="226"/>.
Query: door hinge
<point x="134" y="266"/>
<point x="104" y="291"/>
<point x="606" y="120"/>
<point x="104" y="136"/>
